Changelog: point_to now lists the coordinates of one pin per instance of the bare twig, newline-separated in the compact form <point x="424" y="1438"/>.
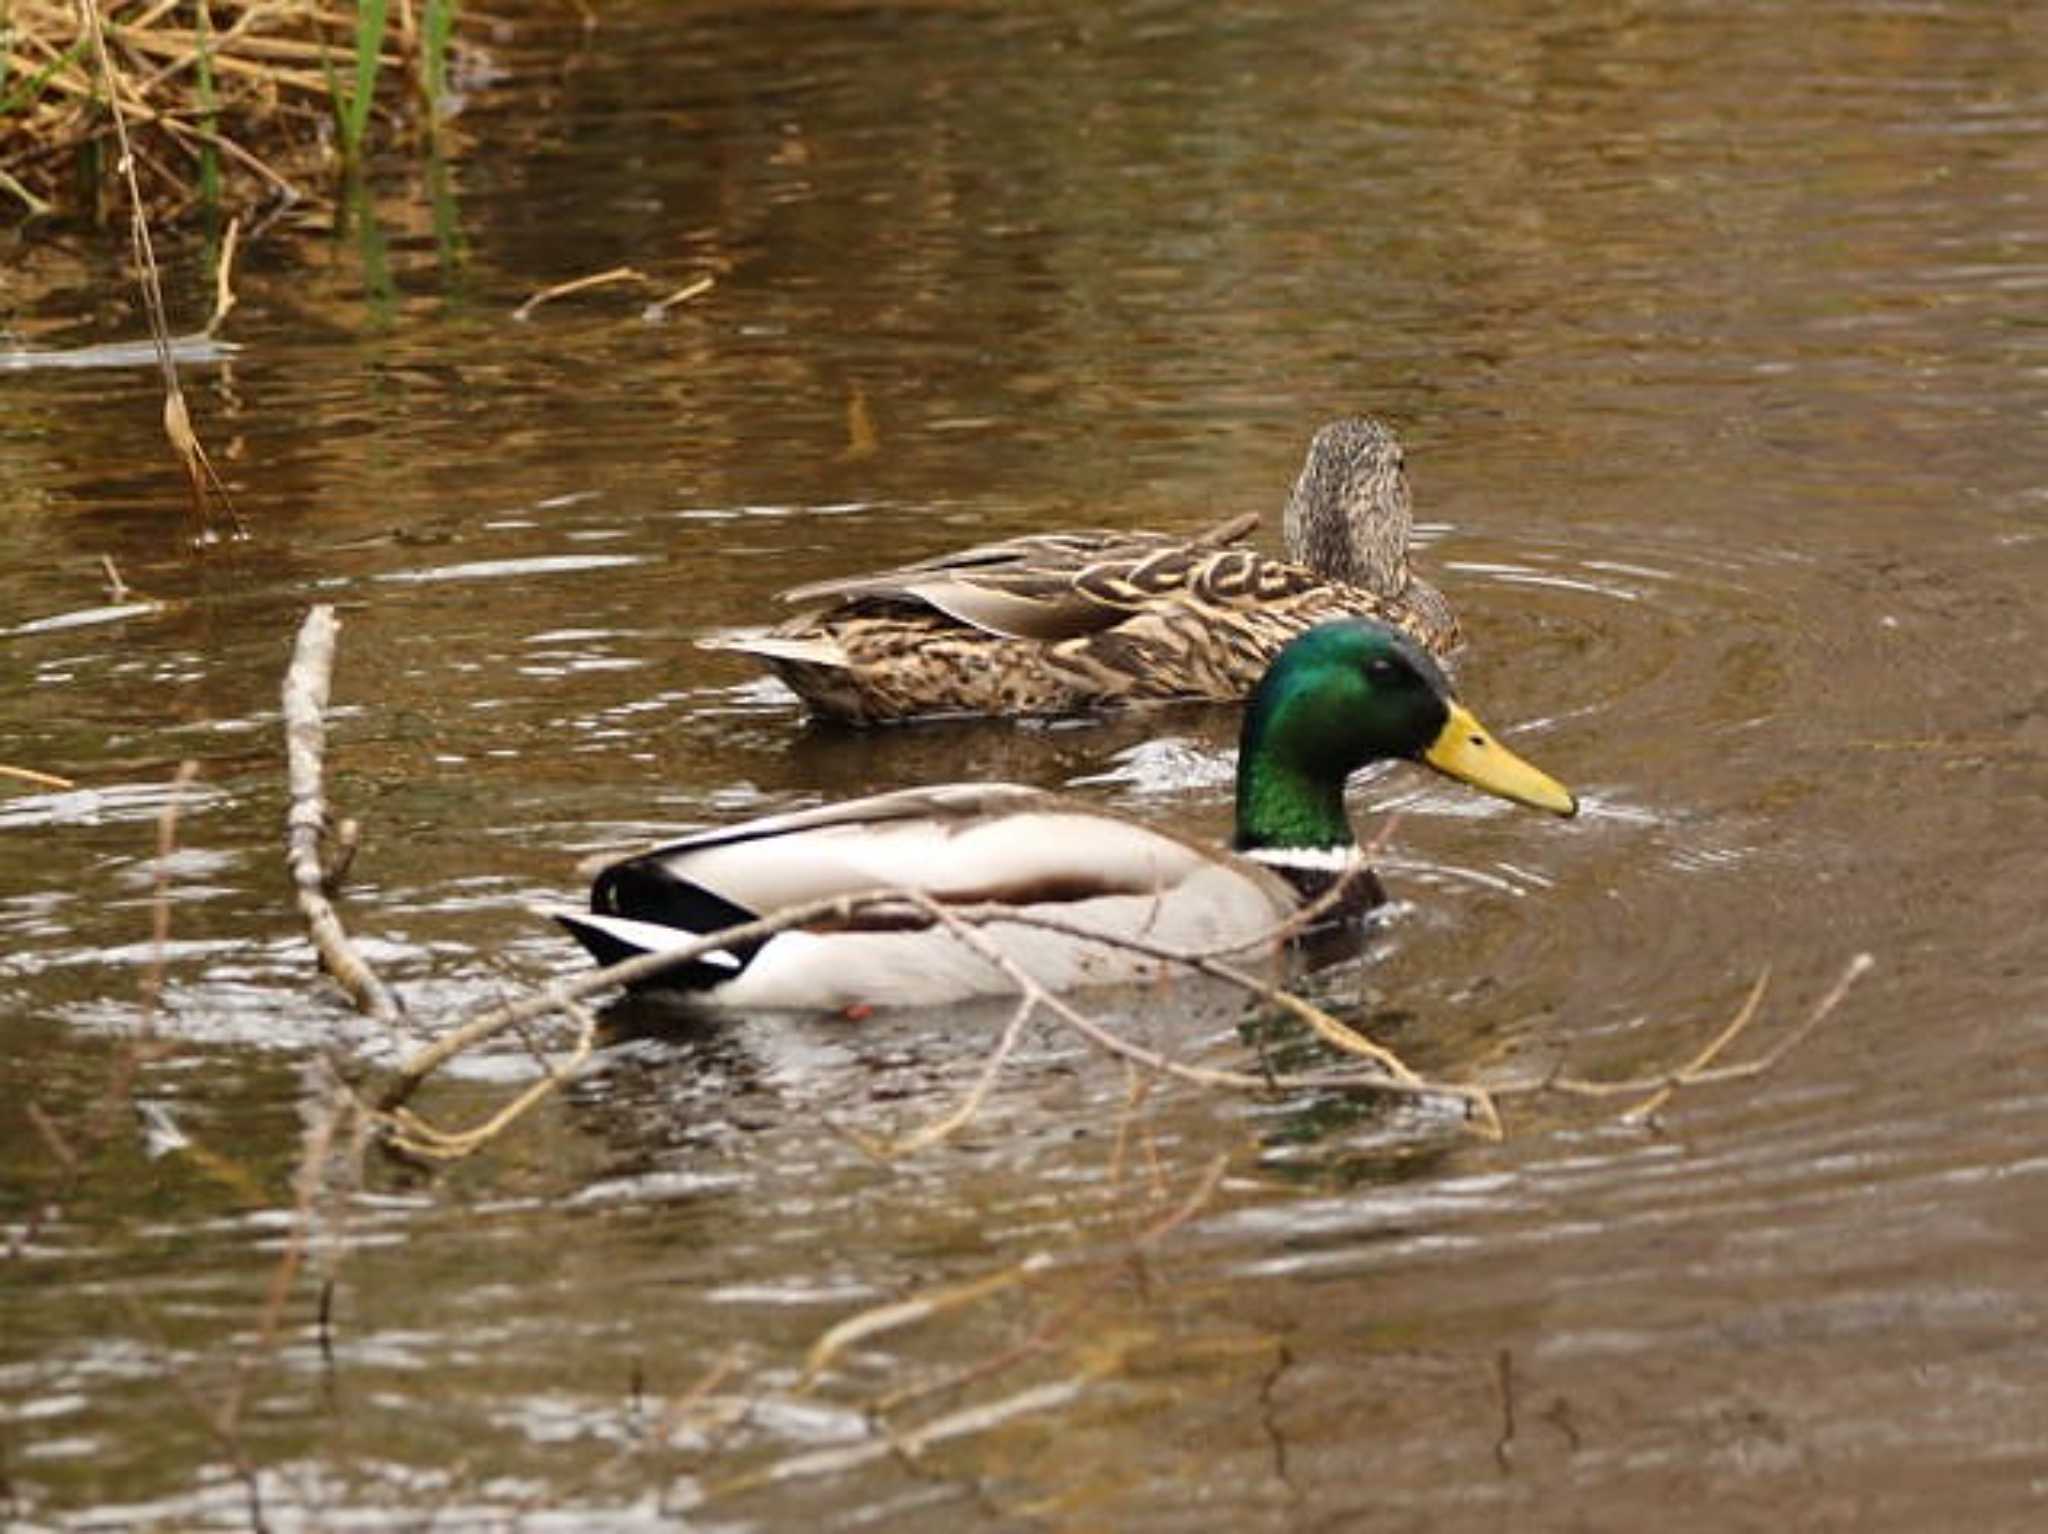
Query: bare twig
<point x="555" y="996"/>
<point x="341" y="852"/>
<point x="160" y="903"/>
<point x="1697" y="1075"/>
<point x="1043" y="1334"/>
<point x="965" y="923"/>
<point x="223" y="278"/>
<point x="181" y="130"/>
<point x="39" y="779"/>
<point x="420" y="1138"/>
<point x="36" y="205"/>
<point x="658" y="310"/>
<point x="326" y="1122"/>
<point x="75" y="1152"/>
<point x="902" y="1313"/>
<point x="228" y="1441"/>
<point x="118" y="590"/>
<point x="948" y="1124"/>
<point x="577" y="285"/>
<point x="1504" y="1445"/>
<point x="910" y="1445"/>
<point x="1699" y="1062"/>
<point x="305" y="705"/>
<point x="171" y="84"/>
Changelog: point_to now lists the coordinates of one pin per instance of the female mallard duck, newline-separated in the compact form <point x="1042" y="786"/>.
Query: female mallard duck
<point x="1337" y="698"/>
<point x="1096" y="618"/>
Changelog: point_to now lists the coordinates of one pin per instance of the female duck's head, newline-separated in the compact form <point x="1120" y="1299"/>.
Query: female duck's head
<point x="1344" y="695"/>
<point x="1349" y="517"/>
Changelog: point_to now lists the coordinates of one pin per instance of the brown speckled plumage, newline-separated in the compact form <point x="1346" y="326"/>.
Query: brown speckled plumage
<point x="1098" y="618"/>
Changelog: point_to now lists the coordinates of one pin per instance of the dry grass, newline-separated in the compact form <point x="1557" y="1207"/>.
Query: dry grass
<point x="229" y="102"/>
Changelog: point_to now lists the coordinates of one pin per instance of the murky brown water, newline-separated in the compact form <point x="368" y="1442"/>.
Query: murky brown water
<point x="1716" y="336"/>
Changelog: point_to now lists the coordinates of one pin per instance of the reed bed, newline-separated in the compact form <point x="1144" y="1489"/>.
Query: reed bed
<point x="230" y="103"/>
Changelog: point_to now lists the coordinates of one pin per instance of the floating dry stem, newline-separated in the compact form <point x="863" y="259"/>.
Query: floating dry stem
<point x="578" y="285"/>
<point x="658" y="310"/>
<point x="39" y="779"/>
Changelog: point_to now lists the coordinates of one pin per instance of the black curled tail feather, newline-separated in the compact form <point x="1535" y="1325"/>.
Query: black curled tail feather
<point x="647" y="889"/>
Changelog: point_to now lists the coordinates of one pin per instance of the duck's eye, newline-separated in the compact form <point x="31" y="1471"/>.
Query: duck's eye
<point x="1383" y="671"/>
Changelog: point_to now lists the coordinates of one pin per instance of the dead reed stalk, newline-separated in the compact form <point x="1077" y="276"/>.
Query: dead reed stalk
<point x="231" y="101"/>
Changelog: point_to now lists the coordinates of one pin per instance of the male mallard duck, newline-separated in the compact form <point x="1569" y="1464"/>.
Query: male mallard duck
<point x="1340" y="696"/>
<point x="1093" y="618"/>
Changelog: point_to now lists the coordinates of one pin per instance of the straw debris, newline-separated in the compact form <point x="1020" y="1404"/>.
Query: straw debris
<point x="229" y="102"/>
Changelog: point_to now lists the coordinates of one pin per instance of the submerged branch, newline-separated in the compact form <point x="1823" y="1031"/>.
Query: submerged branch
<point x="1700" y="1071"/>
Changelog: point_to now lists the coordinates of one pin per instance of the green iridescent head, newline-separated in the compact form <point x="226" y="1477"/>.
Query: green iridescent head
<point x="1347" y="694"/>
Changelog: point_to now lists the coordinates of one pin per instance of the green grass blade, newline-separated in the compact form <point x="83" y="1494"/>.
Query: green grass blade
<point x="209" y="113"/>
<point x="370" y="18"/>
<point x="25" y="93"/>
<point x="438" y="24"/>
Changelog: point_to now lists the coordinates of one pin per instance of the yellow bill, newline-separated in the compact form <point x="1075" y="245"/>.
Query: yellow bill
<point x="1463" y="750"/>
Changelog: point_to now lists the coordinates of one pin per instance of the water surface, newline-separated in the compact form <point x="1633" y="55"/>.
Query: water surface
<point x="1714" y="335"/>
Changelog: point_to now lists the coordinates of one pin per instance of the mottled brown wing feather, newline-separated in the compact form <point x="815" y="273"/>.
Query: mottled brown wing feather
<point x="1045" y="588"/>
<point x="1049" y="554"/>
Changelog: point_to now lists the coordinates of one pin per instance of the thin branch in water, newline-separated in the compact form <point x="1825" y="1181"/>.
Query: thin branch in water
<point x="964" y="923"/>
<point x="910" y="1445"/>
<point x="341" y="853"/>
<point x="118" y="590"/>
<point x="948" y="1124"/>
<point x="289" y="193"/>
<point x="306" y="685"/>
<point x="658" y="310"/>
<point x="1854" y="971"/>
<point x="1642" y="1111"/>
<point x="100" y="1119"/>
<point x="1504" y="1445"/>
<point x="902" y="1313"/>
<point x="1042" y="1335"/>
<point x="223" y="275"/>
<point x="160" y="896"/>
<point x="39" y="779"/>
<point x="307" y="1182"/>
<point x="325" y="1321"/>
<point x="52" y="1135"/>
<point x="416" y="1136"/>
<point x="1698" y="1076"/>
<point x="1137" y="1088"/>
<point x="578" y="285"/>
